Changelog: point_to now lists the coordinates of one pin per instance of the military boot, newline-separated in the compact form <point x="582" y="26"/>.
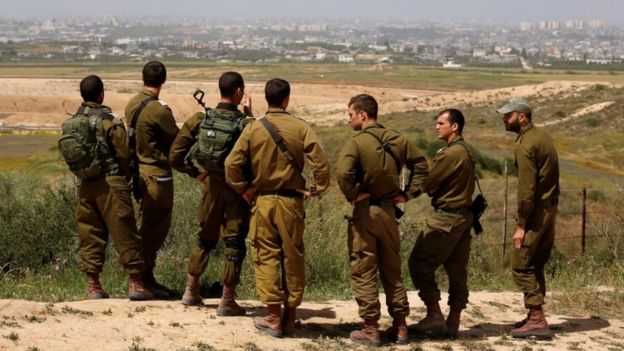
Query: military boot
<point x="191" y="295"/>
<point x="160" y="291"/>
<point x="289" y="321"/>
<point x="452" y="322"/>
<point x="433" y="324"/>
<point x="94" y="288"/>
<point x="369" y="335"/>
<point x="137" y="290"/>
<point x="271" y="324"/>
<point x="522" y="322"/>
<point x="399" y="330"/>
<point x="227" y="305"/>
<point x="536" y="326"/>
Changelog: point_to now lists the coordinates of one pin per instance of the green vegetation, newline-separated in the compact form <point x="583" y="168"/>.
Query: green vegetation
<point x="396" y="76"/>
<point x="39" y="241"/>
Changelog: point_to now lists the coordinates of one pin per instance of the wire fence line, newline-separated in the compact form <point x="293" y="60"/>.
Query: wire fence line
<point x="583" y="216"/>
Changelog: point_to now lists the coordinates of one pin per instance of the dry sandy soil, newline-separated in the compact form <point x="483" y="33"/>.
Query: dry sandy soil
<point x="116" y="324"/>
<point x="46" y="102"/>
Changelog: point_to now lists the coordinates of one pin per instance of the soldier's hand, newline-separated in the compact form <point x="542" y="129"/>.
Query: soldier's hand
<point x="399" y="199"/>
<point x="250" y="194"/>
<point x="306" y="193"/>
<point x="246" y="103"/>
<point x="361" y="197"/>
<point x="518" y="237"/>
<point x="200" y="178"/>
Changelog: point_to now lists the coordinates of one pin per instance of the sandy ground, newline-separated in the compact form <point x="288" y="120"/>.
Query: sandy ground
<point x="46" y="102"/>
<point x="117" y="324"/>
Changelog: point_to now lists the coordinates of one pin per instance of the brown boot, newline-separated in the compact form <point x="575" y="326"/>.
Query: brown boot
<point x="160" y="291"/>
<point x="536" y="326"/>
<point x="452" y="322"/>
<point x="94" y="288"/>
<point x="271" y="324"/>
<point x="227" y="305"/>
<point x="522" y="322"/>
<point x="433" y="324"/>
<point x="399" y="330"/>
<point x="289" y="320"/>
<point x="191" y="295"/>
<point x="369" y="335"/>
<point x="137" y="290"/>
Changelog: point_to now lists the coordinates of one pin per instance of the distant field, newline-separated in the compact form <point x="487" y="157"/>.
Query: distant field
<point x="396" y="76"/>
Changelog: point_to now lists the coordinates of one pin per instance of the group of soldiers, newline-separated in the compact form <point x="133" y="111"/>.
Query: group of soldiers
<point x="259" y="191"/>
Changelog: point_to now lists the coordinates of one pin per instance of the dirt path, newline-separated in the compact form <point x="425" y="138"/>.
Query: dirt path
<point x="117" y="324"/>
<point x="579" y="113"/>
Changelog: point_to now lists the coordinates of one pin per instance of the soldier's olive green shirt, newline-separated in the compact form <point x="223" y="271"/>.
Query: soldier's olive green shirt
<point x="155" y="130"/>
<point x="451" y="180"/>
<point x="188" y="136"/>
<point x="270" y="170"/>
<point x="116" y="138"/>
<point x="364" y="166"/>
<point x="538" y="170"/>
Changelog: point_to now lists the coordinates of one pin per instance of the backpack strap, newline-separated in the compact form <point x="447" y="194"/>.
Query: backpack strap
<point x="279" y="141"/>
<point x="473" y="162"/>
<point x="386" y="147"/>
<point x="136" y="188"/>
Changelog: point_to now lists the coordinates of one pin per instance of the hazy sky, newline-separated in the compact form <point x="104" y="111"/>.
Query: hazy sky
<point x="497" y="11"/>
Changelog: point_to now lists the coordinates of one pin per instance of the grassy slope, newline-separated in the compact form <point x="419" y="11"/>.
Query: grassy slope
<point x="593" y="143"/>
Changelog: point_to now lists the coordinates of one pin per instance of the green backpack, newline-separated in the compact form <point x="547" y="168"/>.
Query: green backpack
<point x="82" y="143"/>
<point x="214" y="141"/>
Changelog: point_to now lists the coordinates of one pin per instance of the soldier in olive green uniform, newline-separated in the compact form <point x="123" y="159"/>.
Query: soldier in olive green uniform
<point x="155" y="130"/>
<point x="221" y="207"/>
<point x="538" y="193"/>
<point x="104" y="203"/>
<point x="445" y="239"/>
<point x="277" y="217"/>
<point x="368" y="173"/>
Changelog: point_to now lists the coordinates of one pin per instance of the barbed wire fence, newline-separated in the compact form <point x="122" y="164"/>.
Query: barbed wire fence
<point x="587" y="217"/>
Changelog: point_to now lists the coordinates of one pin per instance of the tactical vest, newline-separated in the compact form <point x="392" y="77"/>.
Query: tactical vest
<point x="214" y="141"/>
<point x="83" y="146"/>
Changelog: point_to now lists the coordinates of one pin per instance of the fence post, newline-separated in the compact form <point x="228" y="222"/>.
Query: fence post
<point x="583" y="220"/>
<point x="505" y="209"/>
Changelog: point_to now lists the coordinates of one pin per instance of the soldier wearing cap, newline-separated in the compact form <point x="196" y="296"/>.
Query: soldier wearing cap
<point x="445" y="239"/>
<point x="538" y="192"/>
<point x="265" y="167"/>
<point x="155" y="131"/>
<point x="368" y="172"/>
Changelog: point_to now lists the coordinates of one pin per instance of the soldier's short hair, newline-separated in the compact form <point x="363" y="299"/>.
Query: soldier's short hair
<point x="90" y="88"/>
<point x="366" y="103"/>
<point x="276" y="91"/>
<point x="455" y="116"/>
<point x="154" y="74"/>
<point x="229" y="83"/>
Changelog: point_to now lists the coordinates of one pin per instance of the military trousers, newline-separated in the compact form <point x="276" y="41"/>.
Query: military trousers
<point x="276" y="238"/>
<point x="105" y="208"/>
<point x="221" y="211"/>
<point x="156" y="211"/>
<point x="445" y="240"/>
<point x="527" y="262"/>
<point x="374" y="246"/>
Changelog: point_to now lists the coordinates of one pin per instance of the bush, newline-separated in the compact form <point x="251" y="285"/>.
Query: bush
<point x="38" y="226"/>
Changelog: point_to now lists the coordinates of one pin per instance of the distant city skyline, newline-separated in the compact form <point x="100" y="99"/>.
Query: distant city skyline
<point x="484" y="11"/>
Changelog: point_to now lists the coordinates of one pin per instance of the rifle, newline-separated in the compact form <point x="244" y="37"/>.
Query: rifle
<point x="198" y="95"/>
